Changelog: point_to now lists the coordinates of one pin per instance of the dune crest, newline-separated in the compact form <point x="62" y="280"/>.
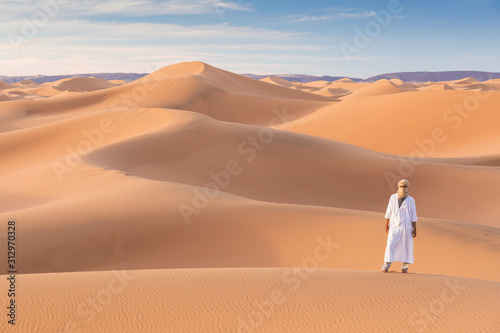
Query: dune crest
<point x="83" y="84"/>
<point x="439" y="86"/>
<point x="380" y="87"/>
<point x="467" y="80"/>
<point x="24" y="83"/>
<point x="5" y="85"/>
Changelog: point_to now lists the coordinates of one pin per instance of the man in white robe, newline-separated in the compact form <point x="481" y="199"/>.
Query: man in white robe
<point x="401" y="226"/>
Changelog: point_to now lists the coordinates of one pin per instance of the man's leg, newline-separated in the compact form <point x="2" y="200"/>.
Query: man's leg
<point x="386" y="266"/>
<point x="404" y="267"/>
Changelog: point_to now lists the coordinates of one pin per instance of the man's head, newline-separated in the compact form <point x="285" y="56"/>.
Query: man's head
<point x="403" y="186"/>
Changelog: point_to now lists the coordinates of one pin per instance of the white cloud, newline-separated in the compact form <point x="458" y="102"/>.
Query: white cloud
<point x="304" y="18"/>
<point x="148" y="7"/>
<point x="72" y="41"/>
<point x="338" y="15"/>
<point x="82" y="30"/>
<point x="72" y="59"/>
<point x="364" y="14"/>
<point x="71" y="8"/>
<point x="269" y="46"/>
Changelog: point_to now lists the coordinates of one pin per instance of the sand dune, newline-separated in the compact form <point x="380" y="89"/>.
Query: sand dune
<point x="143" y="228"/>
<point x="5" y="85"/>
<point x="44" y="90"/>
<point x="192" y="86"/>
<point x="465" y="122"/>
<point x="403" y="85"/>
<point x="439" y="86"/>
<point x="467" y="80"/>
<point x="118" y="81"/>
<point x="204" y="189"/>
<point x="311" y="87"/>
<point x="337" y="91"/>
<point x="380" y="87"/>
<point x="334" y="93"/>
<point x="256" y="299"/>
<point x="7" y="97"/>
<point x="348" y="85"/>
<point x="24" y="83"/>
<point x="16" y="92"/>
<point x="324" y="88"/>
<point x="83" y="84"/>
<point x="482" y="86"/>
<point x="277" y="81"/>
<point x="347" y="80"/>
<point x="333" y="184"/>
<point x="317" y="84"/>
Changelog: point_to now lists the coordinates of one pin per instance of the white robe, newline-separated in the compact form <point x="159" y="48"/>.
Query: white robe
<point x="400" y="239"/>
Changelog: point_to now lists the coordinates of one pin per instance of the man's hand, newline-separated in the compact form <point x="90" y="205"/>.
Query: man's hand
<point x="414" y="229"/>
<point x="387" y="225"/>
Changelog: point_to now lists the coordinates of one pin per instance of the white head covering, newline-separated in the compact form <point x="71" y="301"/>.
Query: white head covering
<point x="403" y="191"/>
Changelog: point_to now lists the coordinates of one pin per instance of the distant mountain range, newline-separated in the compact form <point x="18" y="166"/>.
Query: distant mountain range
<point x="405" y="76"/>
<point x="436" y="76"/>
<point x="303" y="77"/>
<point x="128" y="77"/>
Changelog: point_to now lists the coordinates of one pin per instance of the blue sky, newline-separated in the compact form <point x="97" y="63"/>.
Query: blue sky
<point x="346" y="38"/>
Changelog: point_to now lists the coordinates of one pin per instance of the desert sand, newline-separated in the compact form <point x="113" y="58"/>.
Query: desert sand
<point x="199" y="200"/>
